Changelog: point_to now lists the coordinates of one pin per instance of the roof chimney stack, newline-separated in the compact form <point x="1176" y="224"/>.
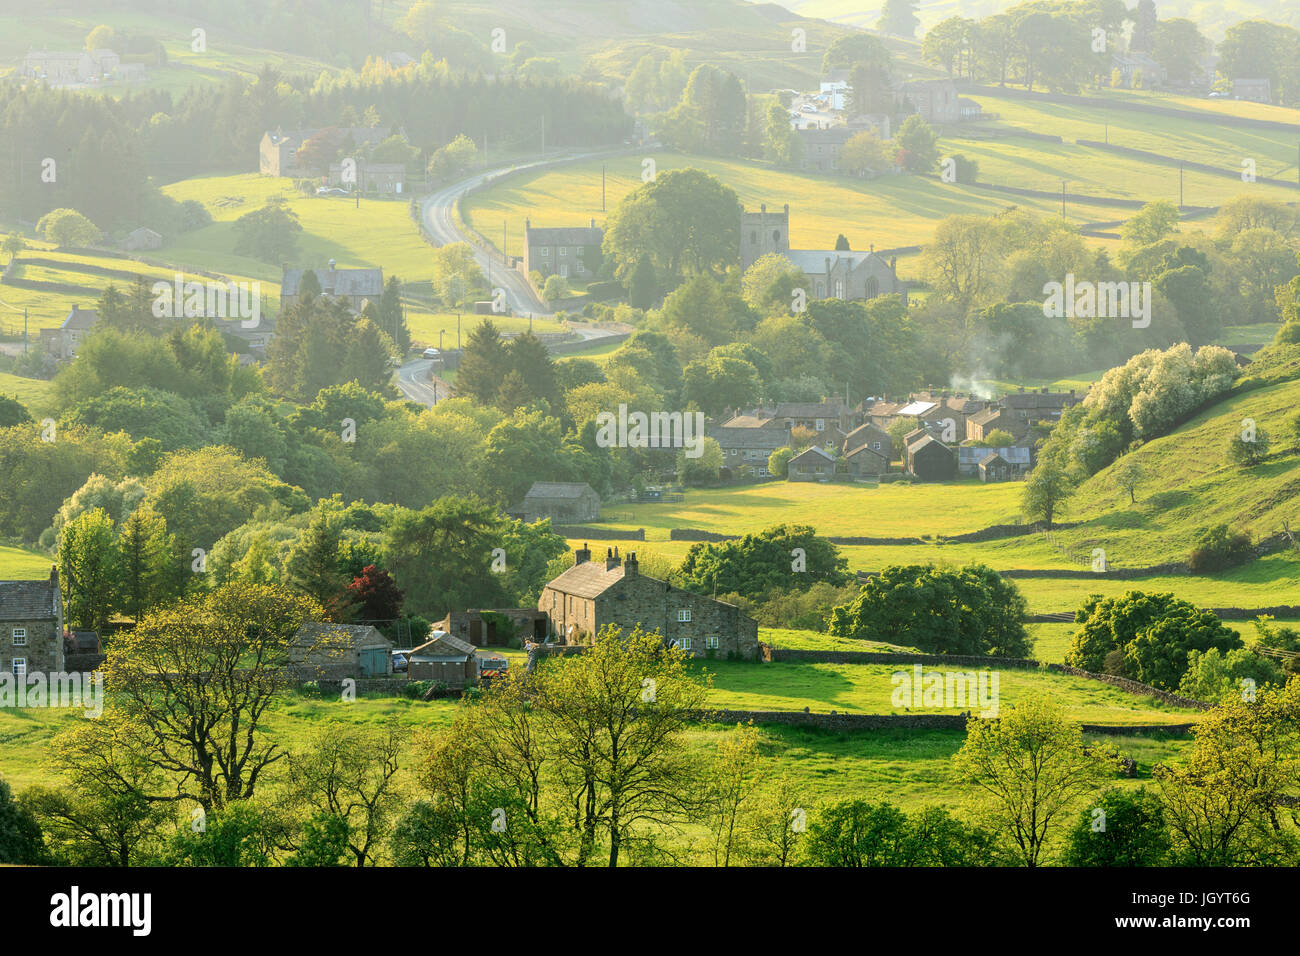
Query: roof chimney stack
<point x="611" y="559"/>
<point x="581" y="555"/>
<point x="630" y="566"/>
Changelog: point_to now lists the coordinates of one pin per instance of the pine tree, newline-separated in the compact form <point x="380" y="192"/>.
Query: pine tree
<point x="484" y="364"/>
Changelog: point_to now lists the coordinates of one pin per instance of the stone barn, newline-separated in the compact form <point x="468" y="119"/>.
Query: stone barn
<point x="563" y="502"/>
<point x="929" y="459"/>
<point x="593" y="594"/>
<point x="481" y="628"/>
<point x="445" y="659"/>
<point x="339" y="651"/>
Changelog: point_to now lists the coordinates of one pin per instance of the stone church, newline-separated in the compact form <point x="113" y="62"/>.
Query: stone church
<point x="830" y="274"/>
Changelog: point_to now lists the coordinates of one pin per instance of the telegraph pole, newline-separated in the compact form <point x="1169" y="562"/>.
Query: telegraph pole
<point x="24" y="330"/>
<point x="1063" y="182"/>
<point x="602" y="187"/>
<point x="1181" y="165"/>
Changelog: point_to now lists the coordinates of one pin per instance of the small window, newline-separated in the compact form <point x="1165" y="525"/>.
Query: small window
<point x="546" y="252"/>
<point x="821" y="424"/>
<point x="20" y="637"/>
<point x="684" y="615"/>
<point x="564" y="251"/>
<point x="711" y="642"/>
<point x="579" y="251"/>
<point x="20" y="667"/>
<point x="683" y="642"/>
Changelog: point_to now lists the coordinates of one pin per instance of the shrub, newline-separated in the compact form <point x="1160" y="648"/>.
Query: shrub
<point x="1218" y="548"/>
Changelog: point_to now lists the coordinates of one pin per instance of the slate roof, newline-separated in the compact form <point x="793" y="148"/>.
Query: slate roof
<point x="28" y="600"/>
<point x="812" y="451"/>
<point x="882" y="455"/>
<point x="918" y="408"/>
<point x="339" y="635"/>
<point x="988" y="415"/>
<point x="925" y="441"/>
<point x="860" y="436"/>
<point x="442" y="647"/>
<point x="809" y="410"/>
<point x="579" y="236"/>
<point x="567" y="490"/>
<point x="769" y="438"/>
<point x="587" y="580"/>
<point x="81" y="319"/>
<point x="814" y="260"/>
<point x="1030" y="400"/>
<point x="337" y="281"/>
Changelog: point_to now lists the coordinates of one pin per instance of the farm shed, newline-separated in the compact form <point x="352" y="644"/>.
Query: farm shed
<point x="339" y="651"/>
<point x="929" y="459"/>
<point x="445" y="659"/>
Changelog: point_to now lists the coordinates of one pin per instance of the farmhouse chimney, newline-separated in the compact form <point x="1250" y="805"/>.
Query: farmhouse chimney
<point x="581" y="555"/>
<point x="611" y="559"/>
<point x="630" y="567"/>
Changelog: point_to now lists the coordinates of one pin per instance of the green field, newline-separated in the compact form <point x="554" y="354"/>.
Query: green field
<point x="23" y="564"/>
<point x="32" y="392"/>
<point x="866" y="689"/>
<point x="888" y="212"/>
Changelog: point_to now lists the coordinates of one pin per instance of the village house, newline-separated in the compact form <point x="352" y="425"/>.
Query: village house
<point x="956" y="406"/>
<point x="482" y="628"/>
<point x="593" y="594"/>
<point x="929" y="459"/>
<point x="867" y="435"/>
<point x="340" y="651"/>
<point x="278" y="150"/>
<point x="353" y="287"/>
<point x="820" y="146"/>
<point x="445" y="660"/>
<point x="934" y="99"/>
<point x="386" y="179"/>
<point x="811" y="464"/>
<point x="994" y="418"/>
<point x="572" y="253"/>
<point x="31" y="627"/>
<point x="1041" y="406"/>
<point x="747" y="441"/>
<point x="61" y="343"/>
<point x="564" y="502"/>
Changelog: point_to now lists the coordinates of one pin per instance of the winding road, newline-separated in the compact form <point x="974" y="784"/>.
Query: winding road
<point x="438" y="211"/>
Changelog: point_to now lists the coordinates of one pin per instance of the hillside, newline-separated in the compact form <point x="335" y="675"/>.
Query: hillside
<point x="1191" y="484"/>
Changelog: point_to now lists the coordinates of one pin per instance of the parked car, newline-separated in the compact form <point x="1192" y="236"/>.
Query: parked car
<point x="400" y="662"/>
<point x="431" y="353"/>
<point x="331" y="191"/>
<point x="808" y="108"/>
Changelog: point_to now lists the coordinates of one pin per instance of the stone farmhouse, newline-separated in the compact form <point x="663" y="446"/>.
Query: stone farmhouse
<point x="830" y="274"/>
<point x="593" y="594"/>
<point x="564" y="502"/>
<point x="571" y="253"/>
<point x="62" y="342"/>
<point x="31" y="627"/>
<point x="1039" y="407"/>
<point x="354" y="287"/>
<point x="65" y="68"/>
<point x="867" y="462"/>
<point x="820" y="147"/>
<point x="278" y="150"/>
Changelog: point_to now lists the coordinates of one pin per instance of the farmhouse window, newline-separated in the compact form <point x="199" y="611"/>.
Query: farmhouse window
<point x="564" y="251"/>
<point x="711" y="642"/>
<point x="683" y="642"/>
<point x="546" y="252"/>
<point x="821" y="424"/>
<point x="20" y="667"/>
<point x="684" y="615"/>
<point x="20" y="637"/>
